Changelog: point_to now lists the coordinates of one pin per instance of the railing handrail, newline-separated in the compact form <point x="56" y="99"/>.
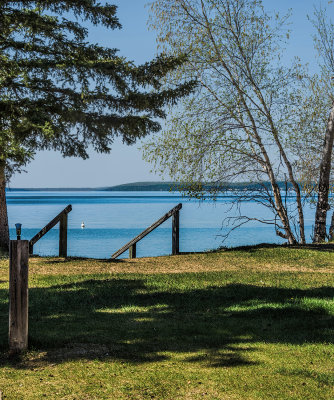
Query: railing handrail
<point x="50" y="225"/>
<point x="147" y="231"/>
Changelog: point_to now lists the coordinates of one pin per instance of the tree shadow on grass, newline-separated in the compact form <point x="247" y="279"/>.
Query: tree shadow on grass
<point x="134" y="321"/>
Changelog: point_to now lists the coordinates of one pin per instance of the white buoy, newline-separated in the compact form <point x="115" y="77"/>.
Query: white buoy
<point x="82" y="225"/>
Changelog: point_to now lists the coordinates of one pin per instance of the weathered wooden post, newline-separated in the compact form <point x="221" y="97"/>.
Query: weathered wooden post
<point x="31" y="251"/>
<point x="175" y="232"/>
<point x="18" y="295"/>
<point x="63" y="235"/>
<point x="133" y="251"/>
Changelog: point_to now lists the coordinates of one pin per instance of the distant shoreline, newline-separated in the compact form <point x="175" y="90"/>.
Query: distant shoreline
<point x="154" y="187"/>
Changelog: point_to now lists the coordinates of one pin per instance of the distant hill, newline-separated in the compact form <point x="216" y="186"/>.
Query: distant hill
<point x="143" y="186"/>
<point x="175" y="186"/>
<point x="156" y="186"/>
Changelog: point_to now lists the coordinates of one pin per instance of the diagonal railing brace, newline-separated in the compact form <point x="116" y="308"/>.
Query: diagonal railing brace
<point x="175" y="234"/>
<point x="62" y="218"/>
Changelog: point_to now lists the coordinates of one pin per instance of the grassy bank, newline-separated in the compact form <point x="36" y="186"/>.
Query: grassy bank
<point x="241" y="324"/>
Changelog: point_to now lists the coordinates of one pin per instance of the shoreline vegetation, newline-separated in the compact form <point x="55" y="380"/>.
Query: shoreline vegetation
<point x="161" y="186"/>
<point x="253" y="322"/>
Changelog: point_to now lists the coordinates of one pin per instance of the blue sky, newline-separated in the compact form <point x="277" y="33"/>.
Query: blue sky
<point x="135" y="41"/>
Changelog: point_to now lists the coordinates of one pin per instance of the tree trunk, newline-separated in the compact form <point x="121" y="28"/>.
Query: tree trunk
<point x="4" y="231"/>
<point x="323" y="191"/>
<point x="331" y="230"/>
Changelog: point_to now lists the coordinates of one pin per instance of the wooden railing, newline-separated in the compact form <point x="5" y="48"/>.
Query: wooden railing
<point x="62" y="219"/>
<point x="131" y="246"/>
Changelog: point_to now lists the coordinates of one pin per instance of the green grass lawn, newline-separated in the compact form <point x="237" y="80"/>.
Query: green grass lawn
<point x="244" y="324"/>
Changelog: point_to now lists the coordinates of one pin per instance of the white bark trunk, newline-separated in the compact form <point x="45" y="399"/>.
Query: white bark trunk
<point x="323" y="191"/>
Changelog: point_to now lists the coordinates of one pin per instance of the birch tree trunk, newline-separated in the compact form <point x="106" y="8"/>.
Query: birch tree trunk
<point x="323" y="191"/>
<point x="4" y="231"/>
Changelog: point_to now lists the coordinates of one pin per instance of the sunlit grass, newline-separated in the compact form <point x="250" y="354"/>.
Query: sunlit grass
<point x="241" y="324"/>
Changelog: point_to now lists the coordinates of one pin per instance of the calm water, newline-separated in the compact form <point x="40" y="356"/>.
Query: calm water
<point x="114" y="218"/>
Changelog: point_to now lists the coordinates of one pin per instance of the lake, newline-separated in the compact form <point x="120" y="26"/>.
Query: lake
<point x="113" y="218"/>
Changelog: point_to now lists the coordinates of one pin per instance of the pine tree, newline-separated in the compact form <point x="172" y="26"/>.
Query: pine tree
<point x="60" y="92"/>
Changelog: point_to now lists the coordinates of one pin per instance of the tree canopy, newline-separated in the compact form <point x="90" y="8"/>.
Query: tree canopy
<point x="60" y="92"/>
<point x="250" y="113"/>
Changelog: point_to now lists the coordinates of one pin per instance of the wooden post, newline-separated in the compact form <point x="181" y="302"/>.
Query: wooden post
<point x="63" y="235"/>
<point x="175" y="232"/>
<point x="18" y="295"/>
<point x="31" y="251"/>
<point x="133" y="251"/>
